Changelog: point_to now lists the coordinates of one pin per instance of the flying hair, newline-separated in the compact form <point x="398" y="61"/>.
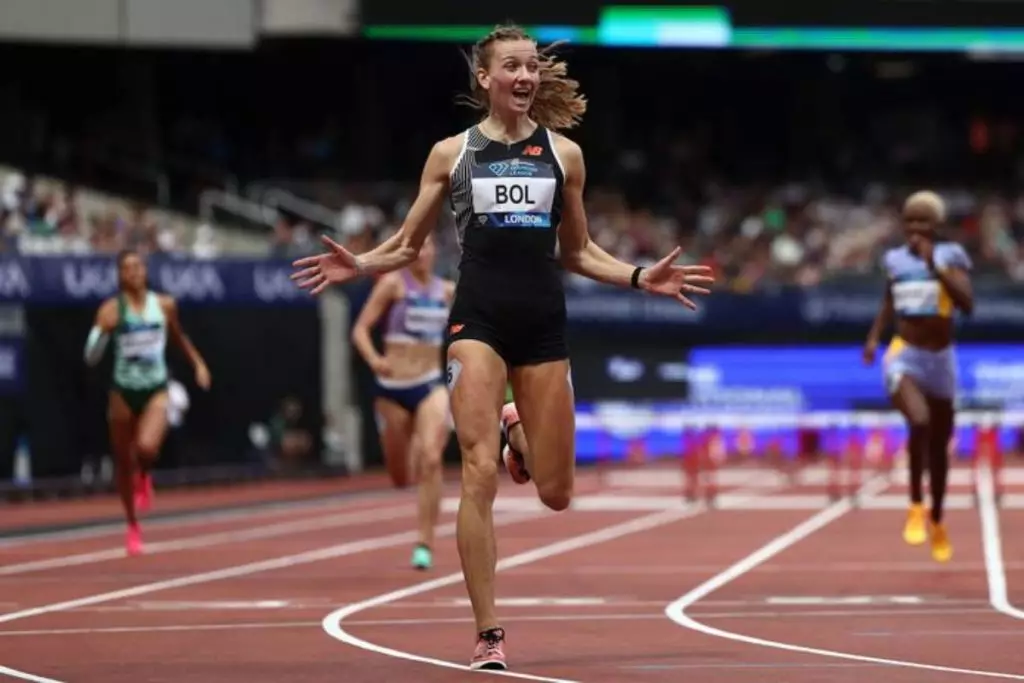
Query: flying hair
<point x="557" y="105"/>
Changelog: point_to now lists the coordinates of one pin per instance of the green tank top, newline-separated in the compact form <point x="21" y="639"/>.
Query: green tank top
<point x="508" y="393"/>
<point x="139" y="344"/>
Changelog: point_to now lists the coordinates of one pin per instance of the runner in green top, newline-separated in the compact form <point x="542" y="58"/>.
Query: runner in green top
<point x="139" y="321"/>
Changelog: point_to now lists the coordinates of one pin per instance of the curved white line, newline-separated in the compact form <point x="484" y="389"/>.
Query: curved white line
<point x="225" y="573"/>
<point x="332" y="622"/>
<point x="676" y="611"/>
<point x="991" y="540"/>
<point x="25" y="676"/>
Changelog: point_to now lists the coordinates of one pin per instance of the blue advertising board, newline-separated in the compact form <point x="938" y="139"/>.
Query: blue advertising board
<point x="61" y="280"/>
<point x="777" y="391"/>
<point x="786" y="310"/>
<point x="835" y="378"/>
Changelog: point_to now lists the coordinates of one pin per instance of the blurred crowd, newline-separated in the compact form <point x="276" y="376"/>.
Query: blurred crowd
<point x="796" y="234"/>
<point x="804" y="190"/>
<point x="47" y="217"/>
<point x="793" y="234"/>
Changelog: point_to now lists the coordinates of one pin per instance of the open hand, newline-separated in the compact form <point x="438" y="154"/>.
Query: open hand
<point x="667" y="279"/>
<point x="333" y="267"/>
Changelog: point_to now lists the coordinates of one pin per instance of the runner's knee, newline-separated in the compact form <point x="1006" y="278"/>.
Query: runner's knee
<point x="479" y="472"/>
<point x="429" y="461"/>
<point x="147" y="449"/>
<point x="555" y="495"/>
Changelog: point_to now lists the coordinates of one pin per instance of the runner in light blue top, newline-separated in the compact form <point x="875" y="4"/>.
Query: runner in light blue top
<point x="927" y="283"/>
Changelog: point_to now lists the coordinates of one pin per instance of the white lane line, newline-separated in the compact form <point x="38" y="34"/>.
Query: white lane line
<point x="282" y="562"/>
<point x="992" y="544"/>
<point x="332" y="623"/>
<point x="676" y="611"/>
<point x="1015" y="633"/>
<point x="217" y="538"/>
<point x="522" y="618"/>
<point x="770" y="666"/>
<point x="14" y="673"/>
<point x="183" y="518"/>
<point x="449" y="605"/>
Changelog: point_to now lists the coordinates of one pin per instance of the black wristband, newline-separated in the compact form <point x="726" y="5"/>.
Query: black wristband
<point x="634" y="282"/>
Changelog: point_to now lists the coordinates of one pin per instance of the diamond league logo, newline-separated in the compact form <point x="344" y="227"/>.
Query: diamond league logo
<point x="498" y="168"/>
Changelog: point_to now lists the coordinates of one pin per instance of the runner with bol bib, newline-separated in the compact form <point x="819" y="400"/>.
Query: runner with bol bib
<point x="516" y="187"/>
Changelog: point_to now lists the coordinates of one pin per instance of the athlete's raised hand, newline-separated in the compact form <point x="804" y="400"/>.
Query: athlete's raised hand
<point x="335" y="266"/>
<point x="667" y="279"/>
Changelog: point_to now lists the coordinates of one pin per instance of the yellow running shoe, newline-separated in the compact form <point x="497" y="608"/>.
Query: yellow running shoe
<point x="942" y="549"/>
<point x="915" y="531"/>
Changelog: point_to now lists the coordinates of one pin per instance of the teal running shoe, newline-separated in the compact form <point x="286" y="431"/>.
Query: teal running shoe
<point x="422" y="558"/>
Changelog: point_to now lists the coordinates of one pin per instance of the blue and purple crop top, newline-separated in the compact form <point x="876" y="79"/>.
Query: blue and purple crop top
<point x="421" y="315"/>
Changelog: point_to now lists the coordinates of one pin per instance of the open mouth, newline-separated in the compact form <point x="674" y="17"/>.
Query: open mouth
<point x="521" y="96"/>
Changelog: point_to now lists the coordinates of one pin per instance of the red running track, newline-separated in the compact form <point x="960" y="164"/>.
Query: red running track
<point x="324" y="593"/>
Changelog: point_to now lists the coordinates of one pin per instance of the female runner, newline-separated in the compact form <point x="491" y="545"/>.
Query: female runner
<point x="139" y="321"/>
<point x="927" y="279"/>
<point x="412" y="401"/>
<point x="516" y="187"/>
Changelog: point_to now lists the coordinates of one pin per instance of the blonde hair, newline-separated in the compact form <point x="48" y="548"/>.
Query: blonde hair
<point x="928" y="200"/>
<point x="557" y="104"/>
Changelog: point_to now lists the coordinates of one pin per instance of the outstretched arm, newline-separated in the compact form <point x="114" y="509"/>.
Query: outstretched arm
<point x="339" y="265"/>
<point x="580" y="254"/>
<point x="402" y="248"/>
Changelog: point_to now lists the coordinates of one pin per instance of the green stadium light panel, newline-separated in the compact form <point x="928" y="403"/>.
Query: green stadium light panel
<point x="711" y="27"/>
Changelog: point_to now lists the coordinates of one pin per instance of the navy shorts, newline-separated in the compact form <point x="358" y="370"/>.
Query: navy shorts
<point x="409" y="394"/>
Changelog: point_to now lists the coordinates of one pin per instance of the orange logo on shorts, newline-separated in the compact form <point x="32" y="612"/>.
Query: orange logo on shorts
<point x="455" y="329"/>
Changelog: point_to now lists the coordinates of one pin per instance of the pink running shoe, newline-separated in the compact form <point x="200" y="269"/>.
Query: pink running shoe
<point x="490" y="654"/>
<point x="133" y="542"/>
<point x="513" y="459"/>
<point x="143" y="492"/>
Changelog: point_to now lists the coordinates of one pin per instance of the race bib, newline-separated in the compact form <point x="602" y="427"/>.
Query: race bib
<point x="916" y="297"/>
<point x="515" y="202"/>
